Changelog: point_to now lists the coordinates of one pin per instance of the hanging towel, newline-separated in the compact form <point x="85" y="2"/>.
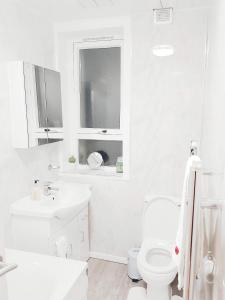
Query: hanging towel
<point x="62" y="247"/>
<point x="183" y="234"/>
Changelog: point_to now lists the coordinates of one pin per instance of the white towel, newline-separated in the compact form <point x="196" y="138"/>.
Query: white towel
<point x="62" y="246"/>
<point x="182" y="240"/>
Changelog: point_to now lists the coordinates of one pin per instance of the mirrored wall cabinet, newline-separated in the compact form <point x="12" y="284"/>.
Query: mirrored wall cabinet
<point x="36" y="108"/>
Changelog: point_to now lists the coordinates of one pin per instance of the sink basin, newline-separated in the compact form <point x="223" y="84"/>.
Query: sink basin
<point x="66" y="202"/>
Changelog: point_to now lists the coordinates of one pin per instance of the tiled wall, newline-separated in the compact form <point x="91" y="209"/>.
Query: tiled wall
<point x="23" y="36"/>
<point x="166" y="114"/>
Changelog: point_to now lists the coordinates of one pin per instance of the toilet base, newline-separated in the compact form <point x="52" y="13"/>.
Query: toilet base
<point x="158" y="292"/>
<point x="139" y="293"/>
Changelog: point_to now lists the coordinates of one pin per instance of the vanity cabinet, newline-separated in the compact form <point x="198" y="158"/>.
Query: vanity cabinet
<point x="76" y="233"/>
<point x="68" y="238"/>
<point x="35" y="102"/>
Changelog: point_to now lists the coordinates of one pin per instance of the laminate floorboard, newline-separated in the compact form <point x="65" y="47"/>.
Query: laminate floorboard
<point x="108" y="280"/>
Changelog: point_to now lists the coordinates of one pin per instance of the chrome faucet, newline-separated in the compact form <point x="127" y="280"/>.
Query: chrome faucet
<point x="48" y="188"/>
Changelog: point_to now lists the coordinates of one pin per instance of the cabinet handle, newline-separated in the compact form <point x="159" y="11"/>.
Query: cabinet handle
<point x="82" y="236"/>
<point x="69" y="251"/>
<point x="46" y="129"/>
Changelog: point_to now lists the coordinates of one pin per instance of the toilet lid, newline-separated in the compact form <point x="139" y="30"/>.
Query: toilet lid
<point x="160" y="219"/>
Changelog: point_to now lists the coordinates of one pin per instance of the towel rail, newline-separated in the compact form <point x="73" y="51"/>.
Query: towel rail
<point x="5" y="267"/>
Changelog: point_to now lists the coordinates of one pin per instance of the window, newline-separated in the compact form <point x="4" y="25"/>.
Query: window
<point x="99" y="76"/>
<point x="100" y="79"/>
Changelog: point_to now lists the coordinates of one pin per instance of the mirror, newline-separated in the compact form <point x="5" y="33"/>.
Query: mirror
<point x="36" y="108"/>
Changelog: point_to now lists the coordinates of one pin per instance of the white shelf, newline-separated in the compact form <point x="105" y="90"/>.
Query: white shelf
<point x="108" y="172"/>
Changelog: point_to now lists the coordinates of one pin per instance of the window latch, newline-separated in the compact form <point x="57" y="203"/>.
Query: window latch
<point x="103" y="131"/>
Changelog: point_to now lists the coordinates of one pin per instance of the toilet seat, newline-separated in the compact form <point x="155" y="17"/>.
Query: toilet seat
<point x="156" y="257"/>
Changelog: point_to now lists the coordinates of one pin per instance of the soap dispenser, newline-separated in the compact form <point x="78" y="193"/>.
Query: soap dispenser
<point x="36" y="191"/>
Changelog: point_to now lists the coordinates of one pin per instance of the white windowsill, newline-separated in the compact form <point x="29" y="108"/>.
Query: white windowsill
<point x="107" y="172"/>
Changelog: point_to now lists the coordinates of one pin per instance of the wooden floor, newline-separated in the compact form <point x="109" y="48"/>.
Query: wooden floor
<point x="108" y="280"/>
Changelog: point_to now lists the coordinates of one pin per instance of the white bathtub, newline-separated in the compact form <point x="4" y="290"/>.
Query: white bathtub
<point x="41" y="277"/>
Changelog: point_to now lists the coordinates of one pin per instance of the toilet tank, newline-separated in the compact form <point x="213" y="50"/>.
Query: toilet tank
<point x="160" y="218"/>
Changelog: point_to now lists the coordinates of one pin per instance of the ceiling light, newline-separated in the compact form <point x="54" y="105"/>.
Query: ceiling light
<point x="163" y="50"/>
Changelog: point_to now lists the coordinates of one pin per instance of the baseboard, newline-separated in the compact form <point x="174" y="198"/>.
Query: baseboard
<point x="108" y="257"/>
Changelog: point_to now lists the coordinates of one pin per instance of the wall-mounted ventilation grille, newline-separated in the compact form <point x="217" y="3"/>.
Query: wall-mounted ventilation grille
<point x="163" y="15"/>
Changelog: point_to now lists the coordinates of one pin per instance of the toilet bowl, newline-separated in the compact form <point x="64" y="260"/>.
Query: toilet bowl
<point x="155" y="261"/>
<point x="157" y="268"/>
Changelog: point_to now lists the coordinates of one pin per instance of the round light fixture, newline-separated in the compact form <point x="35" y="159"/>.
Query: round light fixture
<point x="163" y="50"/>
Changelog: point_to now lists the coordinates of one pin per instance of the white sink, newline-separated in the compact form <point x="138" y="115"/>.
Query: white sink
<point x="66" y="202"/>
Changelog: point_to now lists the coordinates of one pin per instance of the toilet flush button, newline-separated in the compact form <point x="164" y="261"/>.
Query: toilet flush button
<point x="177" y="250"/>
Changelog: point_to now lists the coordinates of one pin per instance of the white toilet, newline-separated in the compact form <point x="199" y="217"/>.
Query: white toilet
<point x="155" y="262"/>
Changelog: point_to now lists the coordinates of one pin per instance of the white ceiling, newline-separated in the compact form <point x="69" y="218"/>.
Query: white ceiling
<point x="64" y="10"/>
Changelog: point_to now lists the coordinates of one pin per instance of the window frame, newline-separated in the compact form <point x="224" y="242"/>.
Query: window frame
<point x="120" y="134"/>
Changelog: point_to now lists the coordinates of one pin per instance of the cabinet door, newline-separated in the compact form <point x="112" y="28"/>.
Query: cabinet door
<point x="35" y="104"/>
<point x="84" y="234"/>
<point x="48" y="88"/>
<point x="71" y="233"/>
<point x="49" y="106"/>
<point x="41" y="98"/>
<point x="77" y="238"/>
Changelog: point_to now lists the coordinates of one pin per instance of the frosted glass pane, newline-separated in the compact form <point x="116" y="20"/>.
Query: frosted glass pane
<point x="100" y="76"/>
<point x="112" y="149"/>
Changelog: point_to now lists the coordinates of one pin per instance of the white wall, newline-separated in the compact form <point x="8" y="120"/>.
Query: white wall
<point x="23" y="36"/>
<point x="166" y="111"/>
<point x="213" y="142"/>
<point x="214" y="121"/>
